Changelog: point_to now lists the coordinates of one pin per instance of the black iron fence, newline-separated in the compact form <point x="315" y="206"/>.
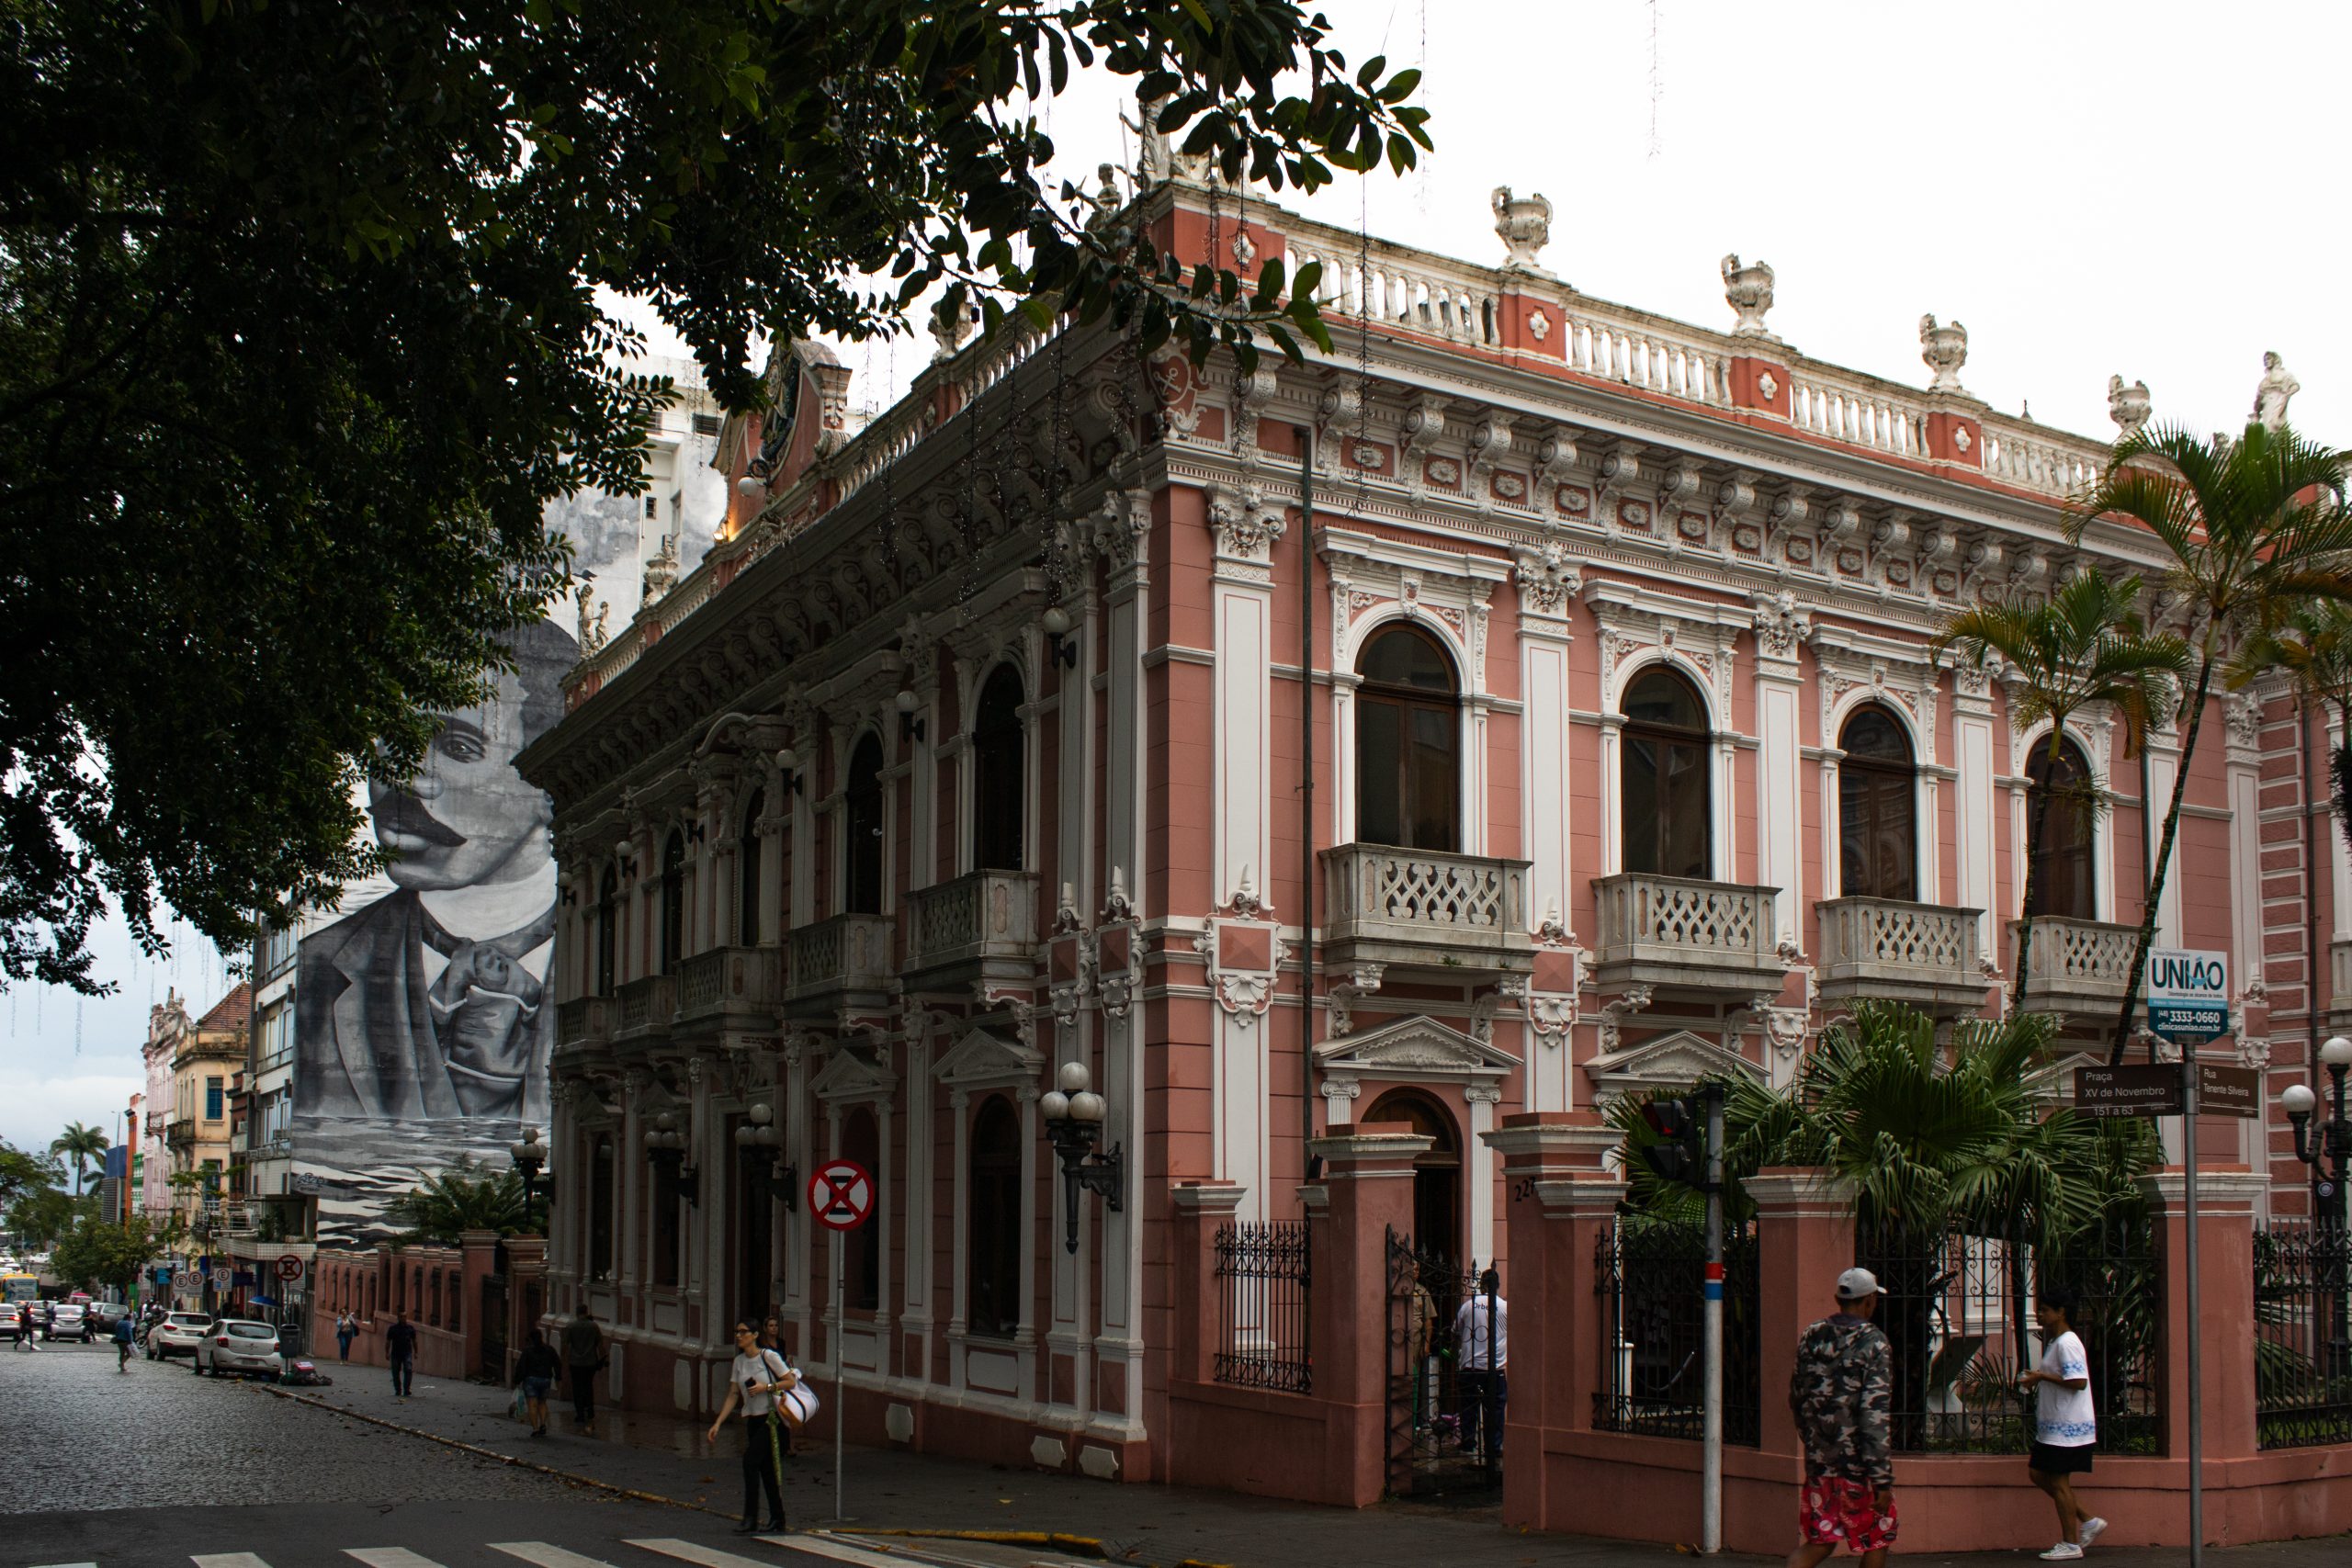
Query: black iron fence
<point x="2303" y="1362"/>
<point x="1651" y="1278"/>
<point x="1958" y="1312"/>
<point x="1262" y="1289"/>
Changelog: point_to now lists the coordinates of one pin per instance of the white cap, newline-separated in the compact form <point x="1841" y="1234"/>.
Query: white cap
<point x="1854" y="1284"/>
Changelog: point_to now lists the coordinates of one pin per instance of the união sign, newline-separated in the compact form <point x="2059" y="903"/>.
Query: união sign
<point x="2188" y="994"/>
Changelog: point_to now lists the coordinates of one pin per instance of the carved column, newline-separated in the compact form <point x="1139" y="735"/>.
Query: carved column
<point x="1548" y="584"/>
<point x="1782" y="628"/>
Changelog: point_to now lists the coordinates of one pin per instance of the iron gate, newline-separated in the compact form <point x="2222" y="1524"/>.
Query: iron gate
<point x="1432" y="1449"/>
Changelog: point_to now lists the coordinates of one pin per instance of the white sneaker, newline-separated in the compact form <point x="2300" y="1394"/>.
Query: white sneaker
<point x="2090" y="1529"/>
<point x="2065" y="1550"/>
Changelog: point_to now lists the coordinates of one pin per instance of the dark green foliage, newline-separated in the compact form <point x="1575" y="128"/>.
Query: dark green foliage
<point x="467" y="1196"/>
<point x="299" y="332"/>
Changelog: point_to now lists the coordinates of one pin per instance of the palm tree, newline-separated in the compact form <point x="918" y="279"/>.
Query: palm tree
<point x="79" y="1145"/>
<point x="2257" y="528"/>
<point x="467" y="1196"/>
<point x="2086" y="645"/>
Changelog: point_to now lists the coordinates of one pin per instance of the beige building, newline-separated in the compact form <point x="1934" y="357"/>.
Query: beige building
<point x="206" y="1057"/>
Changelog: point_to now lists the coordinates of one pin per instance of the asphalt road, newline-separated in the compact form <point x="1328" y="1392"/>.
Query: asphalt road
<point x="157" y="1466"/>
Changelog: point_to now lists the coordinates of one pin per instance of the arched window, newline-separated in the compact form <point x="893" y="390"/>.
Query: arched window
<point x="673" y="901"/>
<point x="2061" y="874"/>
<point x="1409" y="733"/>
<point x="862" y="895"/>
<point x="747" y="872"/>
<point x="994" y="1228"/>
<point x="862" y="1249"/>
<point x="1437" y="1170"/>
<point x="1878" y="838"/>
<point x="999" y="761"/>
<point x="608" y="905"/>
<point x="1667" y="814"/>
<point x="601" y="1176"/>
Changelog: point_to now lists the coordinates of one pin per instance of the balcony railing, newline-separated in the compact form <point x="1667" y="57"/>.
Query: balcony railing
<point x="1891" y="948"/>
<point x="2076" y="965"/>
<point x="1681" y="933"/>
<point x="729" y="980"/>
<point x="584" y="1019"/>
<point x="985" y="916"/>
<point x="648" y="1005"/>
<point x="845" y="954"/>
<point x="1394" y="906"/>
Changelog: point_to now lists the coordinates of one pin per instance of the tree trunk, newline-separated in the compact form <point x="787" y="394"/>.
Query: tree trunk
<point x="2164" y="862"/>
<point x="2033" y="867"/>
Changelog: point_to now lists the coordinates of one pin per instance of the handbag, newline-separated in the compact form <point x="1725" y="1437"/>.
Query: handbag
<point x="796" y="1405"/>
<point x="522" y="1406"/>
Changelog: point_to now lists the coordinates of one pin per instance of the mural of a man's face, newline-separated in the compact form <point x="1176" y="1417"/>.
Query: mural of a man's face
<point x="466" y="817"/>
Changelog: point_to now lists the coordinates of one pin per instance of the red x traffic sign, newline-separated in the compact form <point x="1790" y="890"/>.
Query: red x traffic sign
<point x="290" y="1267"/>
<point x="841" y="1195"/>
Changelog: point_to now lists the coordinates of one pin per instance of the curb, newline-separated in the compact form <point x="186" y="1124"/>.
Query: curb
<point x="572" y="1477"/>
<point x="1083" y="1545"/>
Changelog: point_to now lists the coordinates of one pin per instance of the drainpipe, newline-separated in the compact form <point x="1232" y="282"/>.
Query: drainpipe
<point x="1306" y="790"/>
<point x="2312" y="842"/>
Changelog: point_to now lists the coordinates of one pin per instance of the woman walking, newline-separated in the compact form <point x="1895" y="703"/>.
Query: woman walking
<point x="347" y="1329"/>
<point x="535" y="1370"/>
<point x="757" y="1376"/>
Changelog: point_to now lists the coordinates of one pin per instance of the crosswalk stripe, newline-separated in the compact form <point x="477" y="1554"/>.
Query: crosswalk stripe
<point x="229" y="1559"/>
<point x="840" y="1550"/>
<point x="388" y="1557"/>
<point x="541" y="1555"/>
<point x="79" y="1564"/>
<point x="705" y="1556"/>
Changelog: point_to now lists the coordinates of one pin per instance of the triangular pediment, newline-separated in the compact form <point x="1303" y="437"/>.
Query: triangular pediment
<point x="852" y="1075"/>
<point x="2055" y="1079"/>
<point x="984" y="1058"/>
<point x="1414" y="1049"/>
<point x="1676" y="1060"/>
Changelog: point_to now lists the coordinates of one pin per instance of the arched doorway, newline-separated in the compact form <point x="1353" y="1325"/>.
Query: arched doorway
<point x="1437" y="1170"/>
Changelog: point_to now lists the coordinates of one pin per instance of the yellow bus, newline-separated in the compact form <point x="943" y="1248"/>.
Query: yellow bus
<point x="19" y="1287"/>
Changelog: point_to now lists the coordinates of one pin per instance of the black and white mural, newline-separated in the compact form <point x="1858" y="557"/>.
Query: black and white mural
<point x="423" y="1015"/>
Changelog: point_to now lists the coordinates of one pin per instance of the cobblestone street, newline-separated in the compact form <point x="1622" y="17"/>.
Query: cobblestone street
<point x="206" y="1442"/>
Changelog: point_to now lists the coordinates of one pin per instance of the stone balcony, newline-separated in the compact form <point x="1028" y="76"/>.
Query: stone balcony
<point x="646" y="1007"/>
<point x="2078" y="968"/>
<point x="1893" y="949"/>
<point x="843" y="961"/>
<point x="1678" y="933"/>
<point x="1426" y="910"/>
<point x="980" y="927"/>
<point x="584" y="1020"/>
<point x="730" y="988"/>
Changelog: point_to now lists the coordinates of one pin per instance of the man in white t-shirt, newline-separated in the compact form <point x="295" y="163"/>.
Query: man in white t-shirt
<point x="2065" y="1425"/>
<point x="756" y="1377"/>
<point x="1482" y="1341"/>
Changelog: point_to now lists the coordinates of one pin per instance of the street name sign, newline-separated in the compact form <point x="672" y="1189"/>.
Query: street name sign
<point x="841" y="1195"/>
<point x="2228" y="1091"/>
<point x="2129" y="1091"/>
<point x="2188" y="994"/>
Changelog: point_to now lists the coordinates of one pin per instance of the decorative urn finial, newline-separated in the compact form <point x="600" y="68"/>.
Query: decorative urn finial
<point x="1749" y="291"/>
<point x="2127" y="406"/>
<point x="1525" y="225"/>
<point x="1944" y="350"/>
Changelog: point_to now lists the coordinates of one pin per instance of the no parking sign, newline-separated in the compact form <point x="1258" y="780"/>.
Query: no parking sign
<point x="841" y="1195"/>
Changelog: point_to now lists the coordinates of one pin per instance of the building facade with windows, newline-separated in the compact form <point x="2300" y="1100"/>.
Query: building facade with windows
<point x="1528" y="703"/>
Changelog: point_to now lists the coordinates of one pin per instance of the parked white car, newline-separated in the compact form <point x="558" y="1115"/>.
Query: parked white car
<point x="177" y="1335"/>
<point x="69" y="1320"/>
<point x="240" y="1345"/>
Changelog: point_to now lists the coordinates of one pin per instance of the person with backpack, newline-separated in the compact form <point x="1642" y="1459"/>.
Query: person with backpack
<point x="535" y="1370"/>
<point x="754" y="1380"/>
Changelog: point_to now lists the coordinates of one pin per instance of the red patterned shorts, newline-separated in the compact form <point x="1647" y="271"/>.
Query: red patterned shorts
<point x="1831" y="1510"/>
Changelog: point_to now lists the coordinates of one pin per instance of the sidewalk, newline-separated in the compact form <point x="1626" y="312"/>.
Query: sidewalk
<point x="1164" y="1525"/>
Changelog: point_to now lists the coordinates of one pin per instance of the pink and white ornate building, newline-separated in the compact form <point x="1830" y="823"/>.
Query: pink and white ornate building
<point x="1524" y="704"/>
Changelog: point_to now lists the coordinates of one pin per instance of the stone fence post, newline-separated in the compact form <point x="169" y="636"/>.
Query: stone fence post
<point x="1198" y="1207"/>
<point x="1804" y="1239"/>
<point x="1368" y="1179"/>
<point x="2225" y="1205"/>
<point x="1560" y="1198"/>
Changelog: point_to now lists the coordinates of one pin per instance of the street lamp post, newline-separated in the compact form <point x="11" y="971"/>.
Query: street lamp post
<point x="1074" y="1115"/>
<point x="530" y="1156"/>
<point x="665" y="1145"/>
<point x="2328" y="1155"/>
<point x="762" y="1147"/>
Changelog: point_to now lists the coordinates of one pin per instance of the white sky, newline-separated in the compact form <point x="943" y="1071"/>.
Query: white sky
<point x="2092" y="188"/>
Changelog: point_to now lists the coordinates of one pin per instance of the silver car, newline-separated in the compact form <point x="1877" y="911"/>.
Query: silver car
<point x="177" y="1334"/>
<point x="69" y="1320"/>
<point x="239" y="1345"/>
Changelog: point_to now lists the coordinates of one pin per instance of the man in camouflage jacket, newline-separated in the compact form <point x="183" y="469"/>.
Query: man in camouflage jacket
<point x="1841" y="1395"/>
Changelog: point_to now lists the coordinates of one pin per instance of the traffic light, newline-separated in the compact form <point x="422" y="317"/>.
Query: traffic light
<point x="1680" y="1152"/>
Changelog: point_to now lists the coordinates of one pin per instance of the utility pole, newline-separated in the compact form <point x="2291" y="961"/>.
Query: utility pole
<point x="1712" y="1448"/>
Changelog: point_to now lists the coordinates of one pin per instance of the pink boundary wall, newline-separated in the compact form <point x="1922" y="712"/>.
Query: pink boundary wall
<point x="1561" y="1473"/>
